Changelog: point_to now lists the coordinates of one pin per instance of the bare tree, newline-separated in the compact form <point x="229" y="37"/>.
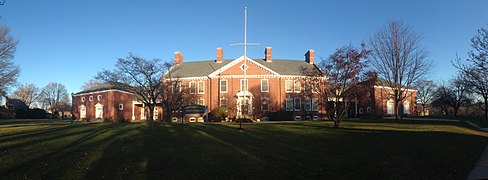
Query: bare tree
<point x="441" y="98"/>
<point x="425" y="92"/>
<point x="28" y="93"/>
<point x="8" y="70"/>
<point x="476" y="67"/>
<point x="458" y="93"/>
<point x="398" y="58"/>
<point x="90" y="84"/>
<point x="139" y="76"/>
<point x="342" y="70"/>
<point x="54" y="96"/>
<point x="175" y="94"/>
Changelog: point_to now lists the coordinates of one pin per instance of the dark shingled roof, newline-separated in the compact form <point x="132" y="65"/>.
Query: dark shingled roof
<point x="101" y="87"/>
<point x="204" y="68"/>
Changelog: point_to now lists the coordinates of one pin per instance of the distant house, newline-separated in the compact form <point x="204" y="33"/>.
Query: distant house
<point x="109" y="102"/>
<point x="377" y="100"/>
<point x="9" y="107"/>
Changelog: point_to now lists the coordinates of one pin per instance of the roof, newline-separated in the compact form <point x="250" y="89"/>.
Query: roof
<point x="206" y="67"/>
<point x="102" y="87"/>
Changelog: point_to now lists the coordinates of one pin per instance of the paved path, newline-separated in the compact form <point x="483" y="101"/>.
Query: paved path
<point x="481" y="169"/>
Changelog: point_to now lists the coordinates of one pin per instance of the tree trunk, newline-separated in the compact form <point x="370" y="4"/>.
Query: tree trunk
<point x="486" y="106"/>
<point x="395" y="107"/>
<point x="151" y="113"/>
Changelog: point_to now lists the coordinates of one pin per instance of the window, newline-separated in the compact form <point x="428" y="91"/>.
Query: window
<point x="289" y="104"/>
<point x="223" y="86"/>
<point x="298" y="104"/>
<point x="315" y="104"/>
<point x="308" y="88"/>
<point x="175" y="87"/>
<point x="99" y="97"/>
<point x="298" y="86"/>
<point x="90" y="98"/>
<point x="82" y="99"/>
<point x="121" y="106"/>
<point x="368" y="109"/>
<point x="223" y="102"/>
<point x="406" y="107"/>
<point x="155" y="113"/>
<point x="264" y="85"/>
<point x="183" y="86"/>
<point x="201" y="87"/>
<point x="201" y="101"/>
<point x="288" y="86"/>
<point x="307" y="105"/>
<point x="360" y="110"/>
<point x="264" y="104"/>
<point x="243" y="84"/>
<point x="193" y="87"/>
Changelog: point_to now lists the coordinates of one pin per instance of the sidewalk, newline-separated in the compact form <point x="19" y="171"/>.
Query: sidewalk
<point x="480" y="171"/>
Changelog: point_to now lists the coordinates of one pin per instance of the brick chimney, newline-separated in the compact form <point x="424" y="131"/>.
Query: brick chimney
<point x="178" y="58"/>
<point x="220" y="55"/>
<point x="309" y="58"/>
<point x="268" y="53"/>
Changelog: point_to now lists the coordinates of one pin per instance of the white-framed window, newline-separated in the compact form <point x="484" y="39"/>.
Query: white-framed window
<point x="193" y="119"/>
<point x="82" y="99"/>
<point x="223" y="102"/>
<point x="155" y="115"/>
<point x="307" y="105"/>
<point x="315" y="104"/>
<point x="288" y="86"/>
<point x="265" y="104"/>
<point x="99" y="97"/>
<point x="201" y="87"/>
<point x="182" y="86"/>
<point x="368" y="109"/>
<point x="143" y="113"/>
<point x="223" y="86"/>
<point x="297" y="87"/>
<point x="308" y="88"/>
<point x="264" y="85"/>
<point x="297" y="104"/>
<point x="360" y="110"/>
<point x="406" y="107"/>
<point x="90" y="98"/>
<point x="193" y="87"/>
<point x="243" y="84"/>
<point x="121" y="106"/>
<point x="289" y="104"/>
<point x="201" y="101"/>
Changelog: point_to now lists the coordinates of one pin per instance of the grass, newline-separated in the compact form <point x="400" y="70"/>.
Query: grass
<point x="43" y="149"/>
<point x="480" y="121"/>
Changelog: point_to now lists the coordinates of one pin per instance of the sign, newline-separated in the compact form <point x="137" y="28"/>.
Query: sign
<point x="194" y="109"/>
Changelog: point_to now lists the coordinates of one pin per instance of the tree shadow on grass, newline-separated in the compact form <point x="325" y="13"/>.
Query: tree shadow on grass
<point x="56" y="159"/>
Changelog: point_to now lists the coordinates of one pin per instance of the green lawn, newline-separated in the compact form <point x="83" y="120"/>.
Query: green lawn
<point x="42" y="149"/>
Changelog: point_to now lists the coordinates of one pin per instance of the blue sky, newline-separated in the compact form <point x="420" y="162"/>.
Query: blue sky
<point x="69" y="41"/>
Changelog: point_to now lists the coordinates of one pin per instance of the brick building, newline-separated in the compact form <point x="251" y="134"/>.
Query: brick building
<point x="257" y="88"/>
<point x="109" y="102"/>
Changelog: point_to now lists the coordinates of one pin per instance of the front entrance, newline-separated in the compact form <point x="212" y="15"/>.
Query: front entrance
<point x="244" y="104"/>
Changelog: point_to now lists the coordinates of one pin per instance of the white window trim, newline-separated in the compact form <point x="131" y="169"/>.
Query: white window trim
<point x="316" y="100"/>
<point x="299" y="103"/>
<point x="291" y="86"/>
<point x="307" y="101"/>
<point x="201" y="100"/>
<point x="121" y="106"/>
<point x="226" y="86"/>
<point x="203" y="87"/>
<point x="247" y="84"/>
<point x="267" y="85"/>
<point x="192" y="87"/>
<point x="99" y="97"/>
<point x="182" y="86"/>
<point x="295" y="86"/>
<point x="220" y="102"/>
<point x="82" y="99"/>
<point x="90" y="98"/>
<point x="286" y="104"/>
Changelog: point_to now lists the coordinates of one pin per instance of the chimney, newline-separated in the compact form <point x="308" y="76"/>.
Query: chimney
<point x="178" y="58"/>
<point x="268" y="53"/>
<point x="220" y="55"/>
<point x="309" y="58"/>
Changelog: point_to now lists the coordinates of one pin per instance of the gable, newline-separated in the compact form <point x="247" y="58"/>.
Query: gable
<point x="234" y="68"/>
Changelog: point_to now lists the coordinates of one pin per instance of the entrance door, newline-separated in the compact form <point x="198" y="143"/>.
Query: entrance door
<point x="390" y="107"/>
<point x="244" y="104"/>
<point x="82" y="112"/>
<point x="99" y="111"/>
